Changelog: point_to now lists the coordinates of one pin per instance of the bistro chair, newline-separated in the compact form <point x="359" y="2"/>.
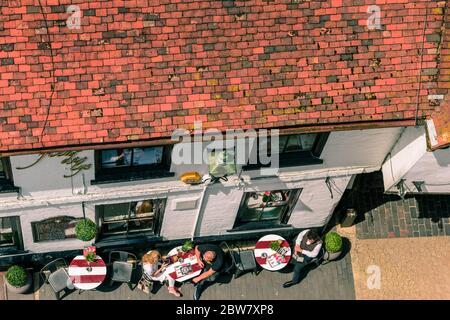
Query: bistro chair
<point x="242" y="260"/>
<point x="123" y="264"/>
<point x="55" y="274"/>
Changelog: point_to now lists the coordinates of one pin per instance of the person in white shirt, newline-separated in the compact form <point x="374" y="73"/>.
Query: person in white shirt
<point x="150" y="265"/>
<point x="307" y="247"/>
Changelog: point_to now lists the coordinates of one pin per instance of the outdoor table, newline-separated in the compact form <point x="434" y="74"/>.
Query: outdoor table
<point x="83" y="277"/>
<point x="268" y="258"/>
<point x="184" y="269"/>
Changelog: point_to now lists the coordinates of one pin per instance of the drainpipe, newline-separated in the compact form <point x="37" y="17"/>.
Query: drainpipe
<point x="199" y="211"/>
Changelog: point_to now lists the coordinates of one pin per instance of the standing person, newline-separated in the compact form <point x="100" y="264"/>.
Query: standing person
<point x="150" y="265"/>
<point x="307" y="247"/>
<point x="211" y="258"/>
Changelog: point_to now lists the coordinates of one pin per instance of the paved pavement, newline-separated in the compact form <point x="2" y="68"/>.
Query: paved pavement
<point x="331" y="281"/>
<point x="400" y="268"/>
<point x="389" y="216"/>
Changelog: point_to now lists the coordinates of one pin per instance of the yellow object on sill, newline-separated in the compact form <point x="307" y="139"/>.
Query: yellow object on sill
<point x="191" y="178"/>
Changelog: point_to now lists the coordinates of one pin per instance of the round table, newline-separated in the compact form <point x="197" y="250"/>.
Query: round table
<point x="84" y="279"/>
<point x="270" y="259"/>
<point x="188" y="259"/>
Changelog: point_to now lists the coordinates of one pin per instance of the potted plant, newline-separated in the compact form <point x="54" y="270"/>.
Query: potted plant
<point x="90" y="254"/>
<point x="86" y="230"/>
<point x="18" y="280"/>
<point x="187" y="246"/>
<point x="333" y="245"/>
<point x="276" y="245"/>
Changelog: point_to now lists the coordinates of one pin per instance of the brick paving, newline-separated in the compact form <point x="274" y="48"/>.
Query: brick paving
<point x="330" y="281"/>
<point x="388" y="216"/>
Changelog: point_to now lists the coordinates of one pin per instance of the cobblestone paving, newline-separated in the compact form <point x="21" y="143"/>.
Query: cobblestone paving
<point x="389" y="216"/>
<point x="330" y="281"/>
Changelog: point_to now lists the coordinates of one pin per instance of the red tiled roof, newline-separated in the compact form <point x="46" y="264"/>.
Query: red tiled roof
<point x="441" y="116"/>
<point x="139" y="69"/>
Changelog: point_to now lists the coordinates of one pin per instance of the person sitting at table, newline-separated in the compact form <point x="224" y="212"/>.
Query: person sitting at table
<point x="150" y="265"/>
<point x="307" y="247"/>
<point x="211" y="258"/>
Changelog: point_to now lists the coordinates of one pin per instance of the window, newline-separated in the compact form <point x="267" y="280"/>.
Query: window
<point x="56" y="228"/>
<point x="132" y="164"/>
<point x="265" y="209"/>
<point x="10" y="233"/>
<point x="294" y="150"/>
<point x="6" y="182"/>
<point x="131" y="217"/>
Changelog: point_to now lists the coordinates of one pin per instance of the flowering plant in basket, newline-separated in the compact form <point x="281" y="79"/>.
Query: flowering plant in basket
<point x="89" y="253"/>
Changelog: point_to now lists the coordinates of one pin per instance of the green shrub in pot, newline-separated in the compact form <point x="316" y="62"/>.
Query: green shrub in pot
<point x="333" y="242"/>
<point x="86" y="230"/>
<point x="17" y="276"/>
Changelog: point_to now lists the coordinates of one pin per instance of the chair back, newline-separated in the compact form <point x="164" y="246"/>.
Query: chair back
<point x="123" y="256"/>
<point x="51" y="267"/>
<point x="230" y="261"/>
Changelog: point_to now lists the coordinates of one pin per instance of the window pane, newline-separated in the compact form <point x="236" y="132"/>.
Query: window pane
<point x="145" y="156"/>
<point x="2" y="170"/>
<point x="297" y="142"/>
<point x="265" y="206"/>
<point x="307" y="141"/>
<point x="114" y="212"/>
<point x="141" y="216"/>
<point x="141" y="225"/>
<point x="116" y="158"/>
<point x="6" y="232"/>
<point x="144" y="209"/>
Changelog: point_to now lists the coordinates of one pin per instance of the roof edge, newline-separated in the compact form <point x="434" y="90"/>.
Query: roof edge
<point x="362" y="125"/>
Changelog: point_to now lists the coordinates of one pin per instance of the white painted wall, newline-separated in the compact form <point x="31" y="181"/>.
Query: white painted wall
<point x="47" y="193"/>
<point x="434" y="169"/>
<point x="411" y="161"/>
<point x="47" y="176"/>
<point x="407" y="151"/>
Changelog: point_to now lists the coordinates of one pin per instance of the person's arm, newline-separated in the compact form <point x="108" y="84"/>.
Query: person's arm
<point x="314" y="252"/>
<point x="163" y="266"/>
<point x="198" y="255"/>
<point x="204" y="275"/>
<point x="299" y="240"/>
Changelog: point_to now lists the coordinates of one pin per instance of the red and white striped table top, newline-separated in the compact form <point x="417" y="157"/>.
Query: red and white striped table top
<point x="82" y="278"/>
<point x="268" y="258"/>
<point x="189" y="258"/>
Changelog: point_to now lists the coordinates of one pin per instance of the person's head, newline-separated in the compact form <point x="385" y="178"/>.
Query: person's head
<point x="312" y="236"/>
<point x="209" y="256"/>
<point x="151" y="257"/>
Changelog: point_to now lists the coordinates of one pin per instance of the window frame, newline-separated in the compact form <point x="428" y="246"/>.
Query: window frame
<point x="6" y="180"/>
<point x="157" y="223"/>
<point x="17" y="243"/>
<point x="133" y="172"/>
<point x="295" y="158"/>
<point x="261" y="224"/>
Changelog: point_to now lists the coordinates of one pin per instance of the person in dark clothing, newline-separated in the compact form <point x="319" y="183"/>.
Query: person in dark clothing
<point x="211" y="258"/>
<point x="307" y="247"/>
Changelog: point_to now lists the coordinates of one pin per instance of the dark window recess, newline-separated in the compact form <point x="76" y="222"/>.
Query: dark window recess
<point x="6" y="181"/>
<point x="265" y="209"/>
<point x="130" y="164"/>
<point x="56" y="228"/>
<point x="294" y="150"/>
<point x="139" y="217"/>
<point x="10" y="234"/>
